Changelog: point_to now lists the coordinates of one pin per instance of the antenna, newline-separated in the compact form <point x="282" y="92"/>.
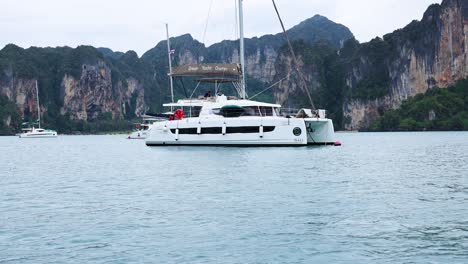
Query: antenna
<point x="169" y="52"/>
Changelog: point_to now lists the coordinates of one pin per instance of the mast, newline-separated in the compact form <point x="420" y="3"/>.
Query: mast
<point x="170" y="63"/>
<point x="241" y="51"/>
<point x="38" y="108"/>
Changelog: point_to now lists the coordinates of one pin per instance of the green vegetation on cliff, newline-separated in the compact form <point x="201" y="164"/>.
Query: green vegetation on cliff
<point x="322" y="62"/>
<point x="437" y="109"/>
<point x="50" y="65"/>
<point x="372" y="57"/>
<point x="369" y="64"/>
<point x="10" y="120"/>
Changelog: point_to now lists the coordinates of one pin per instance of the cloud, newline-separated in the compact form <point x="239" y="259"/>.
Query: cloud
<point x="139" y="24"/>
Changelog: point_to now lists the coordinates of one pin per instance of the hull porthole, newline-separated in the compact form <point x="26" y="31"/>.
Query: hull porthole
<point x="297" y="131"/>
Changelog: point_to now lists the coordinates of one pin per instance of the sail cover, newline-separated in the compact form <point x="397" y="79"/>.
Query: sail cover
<point x="212" y="69"/>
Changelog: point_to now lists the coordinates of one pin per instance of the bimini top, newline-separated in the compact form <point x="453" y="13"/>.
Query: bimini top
<point x="217" y="80"/>
<point x="209" y="69"/>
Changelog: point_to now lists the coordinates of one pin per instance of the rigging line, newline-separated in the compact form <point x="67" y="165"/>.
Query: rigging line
<point x="301" y="77"/>
<point x="271" y="86"/>
<point x="204" y="33"/>
<point x="237" y="87"/>
<point x="183" y="86"/>
<point x="207" y="20"/>
<point x="236" y="19"/>
<point x="194" y="90"/>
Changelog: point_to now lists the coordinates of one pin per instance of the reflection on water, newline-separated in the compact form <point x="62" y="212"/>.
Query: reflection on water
<point x="380" y="198"/>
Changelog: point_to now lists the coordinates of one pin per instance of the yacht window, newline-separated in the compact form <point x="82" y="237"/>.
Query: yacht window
<point x="266" y="111"/>
<point x="211" y="130"/>
<point x="194" y="111"/>
<point x="186" y="131"/>
<point x="258" y="111"/>
<point x="229" y="130"/>
<point x="277" y="111"/>
<point x="248" y="129"/>
<point x="232" y="111"/>
<point x="251" y="111"/>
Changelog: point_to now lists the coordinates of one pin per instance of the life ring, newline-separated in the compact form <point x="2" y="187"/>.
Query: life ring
<point x="179" y="114"/>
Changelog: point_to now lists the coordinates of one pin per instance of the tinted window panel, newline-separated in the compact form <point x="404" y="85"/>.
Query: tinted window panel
<point x="182" y="131"/>
<point x="251" y="129"/>
<point x="211" y="130"/>
<point x="248" y="129"/>
<point x="219" y="130"/>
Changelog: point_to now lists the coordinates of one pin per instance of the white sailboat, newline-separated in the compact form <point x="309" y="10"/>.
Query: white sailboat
<point x="33" y="132"/>
<point x="230" y="121"/>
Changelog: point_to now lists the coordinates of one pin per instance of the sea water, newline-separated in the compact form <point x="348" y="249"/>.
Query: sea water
<point x="380" y="198"/>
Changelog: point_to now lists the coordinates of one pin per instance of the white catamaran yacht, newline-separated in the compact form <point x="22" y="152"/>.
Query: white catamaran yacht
<point x="235" y="121"/>
<point x="33" y="132"/>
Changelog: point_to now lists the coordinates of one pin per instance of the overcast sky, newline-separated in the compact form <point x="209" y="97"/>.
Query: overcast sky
<point x="139" y="24"/>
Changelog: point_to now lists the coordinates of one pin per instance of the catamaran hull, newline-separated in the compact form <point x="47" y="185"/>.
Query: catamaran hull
<point x="48" y="135"/>
<point x="320" y="131"/>
<point x="241" y="132"/>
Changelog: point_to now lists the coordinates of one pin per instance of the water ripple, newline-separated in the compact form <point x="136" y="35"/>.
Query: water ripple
<point x="381" y="198"/>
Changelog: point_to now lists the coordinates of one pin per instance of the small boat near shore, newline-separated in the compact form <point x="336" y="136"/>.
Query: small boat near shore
<point x="141" y="129"/>
<point x="38" y="133"/>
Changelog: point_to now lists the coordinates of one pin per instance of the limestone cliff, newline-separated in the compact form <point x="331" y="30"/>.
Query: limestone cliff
<point x="359" y="82"/>
<point x="94" y="93"/>
<point x="427" y="53"/>
<point x="74" y="83"/>
<point x="22" y="92"/>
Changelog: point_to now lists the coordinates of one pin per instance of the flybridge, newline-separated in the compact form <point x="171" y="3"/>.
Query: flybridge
<point x="207" y="69"/>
